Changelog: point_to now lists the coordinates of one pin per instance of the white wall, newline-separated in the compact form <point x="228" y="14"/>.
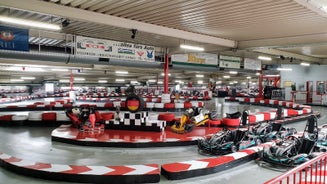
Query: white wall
<point x="301" y="74"/>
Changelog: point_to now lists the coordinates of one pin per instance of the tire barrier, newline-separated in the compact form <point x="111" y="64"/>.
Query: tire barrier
<point x="147" y="173"/>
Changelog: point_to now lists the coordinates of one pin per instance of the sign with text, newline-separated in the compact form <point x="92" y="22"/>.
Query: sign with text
<point x="196" y="58"/>
<point x="229" y="61"/>
<point x="14" y="39"/>
<point x="252" y="64"/>
<point x="113" y="49"/>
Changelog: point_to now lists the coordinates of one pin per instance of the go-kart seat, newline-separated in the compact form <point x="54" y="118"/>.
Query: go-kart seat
<point x="239" y="135"/>
<point x="276" y="126"/>
<point x="234" y="115"/>
<point x="307" y="146"/>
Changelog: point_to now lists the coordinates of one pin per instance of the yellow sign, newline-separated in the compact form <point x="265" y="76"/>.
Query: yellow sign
<point x="192" y="58"/>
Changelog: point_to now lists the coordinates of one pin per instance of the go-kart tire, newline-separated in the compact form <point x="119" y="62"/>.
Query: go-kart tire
<point x="234" y="148"/>
<point x="189" y="127"/>
<point x="258" y="141"/>
<point x="137" y="98"/>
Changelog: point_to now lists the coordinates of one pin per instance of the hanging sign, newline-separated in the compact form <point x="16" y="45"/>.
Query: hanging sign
<point x="113" y="49"/>
<point x="252" y="64"/>
<point x="196" y="58"/>
<point x="229" y="62"/>
<point x="13" y="39"/>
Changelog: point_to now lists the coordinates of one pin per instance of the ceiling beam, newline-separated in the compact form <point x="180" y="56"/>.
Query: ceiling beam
<point x="277" y="52"/>
<point x="89" y="16"/>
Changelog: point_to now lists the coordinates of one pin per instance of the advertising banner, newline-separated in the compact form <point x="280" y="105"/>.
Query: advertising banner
<point x="14" y="39"/>
<point x="252" y="64"/>
<point x="229" y="61"/>
<point x="196" y="58"/>
<point x="114" y="49"/>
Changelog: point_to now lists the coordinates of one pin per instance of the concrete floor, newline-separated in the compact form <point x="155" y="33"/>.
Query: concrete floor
<point x="34" y="143"/>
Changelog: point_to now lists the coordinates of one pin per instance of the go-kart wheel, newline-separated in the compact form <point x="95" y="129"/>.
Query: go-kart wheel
<point x="258" y="141"/>
<point x="189" y="127"/>
<point x="234" y="148"/>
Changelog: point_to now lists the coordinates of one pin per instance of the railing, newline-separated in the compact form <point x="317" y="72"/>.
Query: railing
<point x="313" y="171"/>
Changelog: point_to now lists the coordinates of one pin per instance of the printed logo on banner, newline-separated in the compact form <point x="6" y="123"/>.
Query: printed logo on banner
<point x="113" y="49"/>
<point x="14" y="39"/>
<point x="149" y="54"/>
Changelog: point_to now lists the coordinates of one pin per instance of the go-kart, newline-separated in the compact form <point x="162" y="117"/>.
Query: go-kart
<point x="223" y="142"/>
<point x="227" y="141"/>
<point x="191" y="118"/>
<point x="292" y="150"/>
<point x="85" y="118"/>
<point x="269" y="131"/>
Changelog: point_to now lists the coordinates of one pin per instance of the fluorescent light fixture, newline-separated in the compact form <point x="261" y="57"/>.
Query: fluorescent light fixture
<point x="64" y="80"/>
<point x="258" y="73"/>
<point x="272" y="75"/>
<point x="218" y="82"/>
<point x="28" y="78"/>
<point x="16" y="80"/>
<point x="231" y="82"/>
<point x="199" y="75"/>
<point x="235" y="82"/>
<point x="121" y="72"/>
<point x="60" y="69"/>
<point x="284" y="69"/>
<point x="162" y="74"/>
<point x="243" y="83"/>
<point x="226" y="76"/>
<point x="29" y="23"/>
<point x="79" y="79"/>
<point x="189" y="47"/>
<point x="120" y="80"/>
<point x="102" y="81"/>
<point x="248" y="77"/>
<point x="305" y="64"/>
<point x="151" y="80"/>
<point x="233" y="72"/>
<point x="200" y="81"/>
<point x="160" y="82"/>
<point x="26" y="69"/>
<point x="266" y="58"/>
<point x="134" y="82"/>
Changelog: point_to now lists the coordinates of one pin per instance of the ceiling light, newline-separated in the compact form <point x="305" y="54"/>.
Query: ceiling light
<point x="60" y="69"/>
<point x="284" y="69"/>
<point x="233" y="72"/>
<point x="29" y="23"/>
<point x="235" y="82"/>
<point x="178" y="81"/>
<point x="27" y="69"/>
<point x="226" y="76"/>
<point x="199" y="75"/>
<point x="134" y="82"/>
<point x="218" y="82"/>
<point x="151" y="80"/>
<point x="231" y="82"/>
<point x="258" y="73"/>
<point x="200" y="81"/>
<point x="160" y="82"/>
<point x="191" y="47"/>
<point x="79" y="79"/>
<point x="264" y="58"/>
<point x="121" y="72"/>
<point x="28" y="78"/>
<point x="243" y="83"/>
<point x="248" y="77"/>
<point x="120" y="80"/>
<point x="272" y="75"/>
<point x="305" y="64"/>
<point x="102" y="81"/>
<point x="162" y="74"/>
<point x="64" y="80"/>
<point x="16" y="80"/>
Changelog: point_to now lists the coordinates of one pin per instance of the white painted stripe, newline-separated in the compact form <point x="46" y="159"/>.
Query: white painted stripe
<point x="23" y="163"/>
<point x="4" y="156"/>
<point x="140" y="169"/>
<point x="98" y="170"/>
<point x="57" y="168"/>
<point x="259" y="117"/>
<point x="116" y="140"/>
<point x="171" y="140"/>
<point x="143" y="140"/>
<point x="195" y="164"/>
<point x="238" y="155"/>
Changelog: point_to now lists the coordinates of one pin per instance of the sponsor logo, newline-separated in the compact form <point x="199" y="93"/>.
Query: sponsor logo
<point x="149" y="54"/>
<point x="140" y="53"/>
<point x="126" y="51"/>
<point x="89" y="44"/>
<point x="7" y="35"/>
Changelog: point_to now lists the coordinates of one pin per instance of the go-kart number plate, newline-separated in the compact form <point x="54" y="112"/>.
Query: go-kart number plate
<point x="199" y="118"/>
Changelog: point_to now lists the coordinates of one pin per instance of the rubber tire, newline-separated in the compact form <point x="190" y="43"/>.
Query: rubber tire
<point x="135" y="97"/>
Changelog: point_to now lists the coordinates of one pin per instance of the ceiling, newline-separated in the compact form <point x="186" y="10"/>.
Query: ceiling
<point x="246" y="28"/>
